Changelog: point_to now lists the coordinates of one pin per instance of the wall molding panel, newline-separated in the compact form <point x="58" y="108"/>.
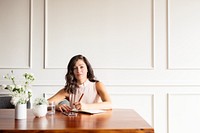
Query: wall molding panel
<point x="132" y="103"/>
<point x="183" y="30"/>
<point x="16" y="36"/>
<point x="180" y="111"/>
<point x="112" y="44"/>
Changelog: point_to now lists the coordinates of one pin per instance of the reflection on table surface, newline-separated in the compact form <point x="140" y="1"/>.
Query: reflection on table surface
<point x="84" y="121"/>
<point x="113" y="120"/>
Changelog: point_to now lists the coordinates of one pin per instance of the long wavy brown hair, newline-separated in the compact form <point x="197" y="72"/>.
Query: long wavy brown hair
<point x="71" y="81"/>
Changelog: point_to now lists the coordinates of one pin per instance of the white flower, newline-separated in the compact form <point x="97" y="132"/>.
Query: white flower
<point x="21" y="93"/>
<point x="10" y="87"/>
<point x="40" y="101"/>
<point x="2" y="87"/>
<point x="18" y="86"/>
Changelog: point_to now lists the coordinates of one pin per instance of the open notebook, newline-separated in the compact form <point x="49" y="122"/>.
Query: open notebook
<point x="89" y="111"/>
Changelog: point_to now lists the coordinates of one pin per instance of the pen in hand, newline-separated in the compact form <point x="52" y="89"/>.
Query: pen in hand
<point x="80" y="97"/>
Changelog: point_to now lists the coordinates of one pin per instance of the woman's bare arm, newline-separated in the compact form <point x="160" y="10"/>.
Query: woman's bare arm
<point x="59" y="96"/>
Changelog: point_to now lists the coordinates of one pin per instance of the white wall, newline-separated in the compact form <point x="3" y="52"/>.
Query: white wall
<point x="144" y="51"/>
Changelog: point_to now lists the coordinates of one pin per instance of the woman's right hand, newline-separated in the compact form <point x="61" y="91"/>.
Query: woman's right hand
<point x="63" y="108"/>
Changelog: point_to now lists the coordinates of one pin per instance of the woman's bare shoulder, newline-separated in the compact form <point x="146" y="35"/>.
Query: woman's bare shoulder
<point x="99" y="85"/>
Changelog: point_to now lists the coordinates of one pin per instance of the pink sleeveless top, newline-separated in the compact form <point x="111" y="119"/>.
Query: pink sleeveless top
<point x="90" y="93"/>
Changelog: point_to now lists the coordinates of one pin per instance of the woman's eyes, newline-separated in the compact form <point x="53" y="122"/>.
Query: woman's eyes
<point x="76" y="68"/>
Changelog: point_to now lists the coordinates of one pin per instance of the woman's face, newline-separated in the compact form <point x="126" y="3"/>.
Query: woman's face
<point x="80" y="71"/>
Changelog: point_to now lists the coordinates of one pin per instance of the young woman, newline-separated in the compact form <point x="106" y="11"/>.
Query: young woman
<point x="80" y="80"/>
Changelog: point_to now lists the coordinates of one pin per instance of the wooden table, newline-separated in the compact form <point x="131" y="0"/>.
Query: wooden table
<point x="113" y="121"/>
